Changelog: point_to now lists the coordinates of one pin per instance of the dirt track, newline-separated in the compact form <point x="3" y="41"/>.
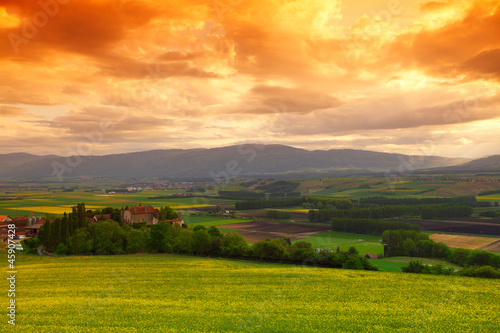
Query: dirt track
<point x="256" y="231"/>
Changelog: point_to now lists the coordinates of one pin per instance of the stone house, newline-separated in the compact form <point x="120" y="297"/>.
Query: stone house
<point x="140" y="214"/>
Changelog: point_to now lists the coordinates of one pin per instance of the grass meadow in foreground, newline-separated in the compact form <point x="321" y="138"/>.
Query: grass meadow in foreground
<point x="168" y="293"/>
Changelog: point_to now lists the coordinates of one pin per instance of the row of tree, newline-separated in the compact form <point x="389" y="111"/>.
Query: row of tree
<point x="108" y="237"/>
<point x="424" y="211"/>
<point x="370" y="226"/>
<point x="306" y="202"/>
<point x="414" y="244"/>
<point x="488" y="192"/>
<point x="490" y="213"/>
<point x="60" y="230"/>
<point x="202" y="241"/>
<point x="260" y="204"/>
<point x="439" y="269"/>
<point x="385" y="201"/>
<point x="278" y="215"/>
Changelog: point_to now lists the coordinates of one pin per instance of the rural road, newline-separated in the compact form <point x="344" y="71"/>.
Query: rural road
<point x="42" y="252"/>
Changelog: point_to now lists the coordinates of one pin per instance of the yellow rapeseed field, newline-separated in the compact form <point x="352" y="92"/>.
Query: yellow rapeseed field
<point x="167" y="293"/>
<point x="53" y="209"/>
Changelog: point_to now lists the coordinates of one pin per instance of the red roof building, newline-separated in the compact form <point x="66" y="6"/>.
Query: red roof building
<point x="140" y="214"/>
<point x="5" y="218"/>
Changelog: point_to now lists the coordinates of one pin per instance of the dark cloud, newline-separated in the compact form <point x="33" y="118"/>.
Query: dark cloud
<point x="485" y="63"/>
<point x="271" y="99"/>
<point x="12" y="111"/>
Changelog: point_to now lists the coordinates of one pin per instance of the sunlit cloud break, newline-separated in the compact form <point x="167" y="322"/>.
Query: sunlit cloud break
<point x="393" y="76"/>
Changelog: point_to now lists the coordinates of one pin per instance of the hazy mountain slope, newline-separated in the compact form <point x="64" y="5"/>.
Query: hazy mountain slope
<point x="216" y="162"/>
<point x="487" y="164"/>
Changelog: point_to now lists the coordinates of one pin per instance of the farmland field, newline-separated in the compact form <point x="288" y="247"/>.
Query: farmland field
<point x="425" y="261"/>
<point x="60" y="202"/>
<point x="257" y="231"/>
<point x="470" y="225"/>
<point x="210" y="221"/>
<point x="463" y="241"/>
<point x="167" y="293"/>
<point x="331" y="239"/>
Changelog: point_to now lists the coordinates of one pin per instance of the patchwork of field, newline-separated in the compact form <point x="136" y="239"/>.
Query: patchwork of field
<point x="257" y="231"/>
<point x="167" y="293"/>
<point x="463" y="241"/>
<point x="58" y="203"/>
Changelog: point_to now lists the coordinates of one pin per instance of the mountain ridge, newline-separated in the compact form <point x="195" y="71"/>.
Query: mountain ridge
<point x="232" y="161"/>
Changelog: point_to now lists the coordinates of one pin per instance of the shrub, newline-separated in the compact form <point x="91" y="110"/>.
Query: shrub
<point x="481" y="271"/>
<point x="353" y="262"/>
<point x="61" y="249"/>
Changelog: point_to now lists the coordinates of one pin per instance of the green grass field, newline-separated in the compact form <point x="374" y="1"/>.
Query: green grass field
<point x="425" y="261"/>
<point x="167" y="293"/>
<point x="210" y="221"/>
<point x="331" y="239"/>
<point x="387" y="266"/>
<point x="394" y="264"/>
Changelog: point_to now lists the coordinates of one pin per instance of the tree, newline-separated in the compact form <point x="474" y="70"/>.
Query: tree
<point x="199" y="227"/>
<point x="73" y="218"/>
<point x="409" y="247"/>
<point x="424" y="248"/>
<point x="234" y="245"/>
<point x="303" y="245"/>
<point x="136" y="240"/>
<point x="394" y="242"/>
<point x="201" y="241"/>
<point x="352" y="250"/>
<point x="167" y="213"/>
<point x="183" y="241"/>
<point x="343" y="204"/>
<point x="81" y="242"/>
<point x="56" y="234"/>
<point x="441" y="251"/>
<point x="80" y="210"/>
<point x="61" y="249"/>
<point x="273" y="249"/>
<point x="108" y="237"/>
<point x="353" y="262"/>
<point x="157" y="241"/>
<point x="65" y="229"/>
<point x="214" y="232"/>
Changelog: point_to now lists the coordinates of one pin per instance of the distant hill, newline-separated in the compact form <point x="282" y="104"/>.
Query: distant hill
<point x="490" y="164"/>
<point x="222" y="162"/>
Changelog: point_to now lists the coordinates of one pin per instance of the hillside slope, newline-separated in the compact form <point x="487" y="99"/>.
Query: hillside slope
<point x="210" y="163"/>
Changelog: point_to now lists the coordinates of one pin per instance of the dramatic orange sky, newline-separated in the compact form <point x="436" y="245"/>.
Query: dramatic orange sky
<point x="99" y="77"/>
